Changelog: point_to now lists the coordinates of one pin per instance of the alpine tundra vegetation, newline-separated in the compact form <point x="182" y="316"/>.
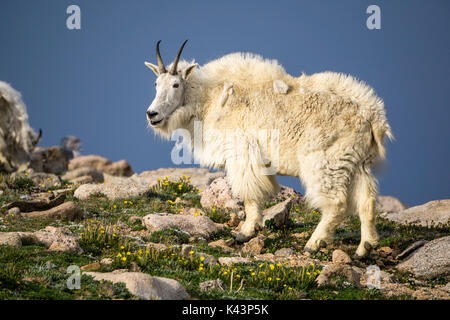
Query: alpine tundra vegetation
<point x="328" y="130"/>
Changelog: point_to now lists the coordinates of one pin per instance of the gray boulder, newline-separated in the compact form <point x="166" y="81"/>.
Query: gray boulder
<point x="429" y="261"/>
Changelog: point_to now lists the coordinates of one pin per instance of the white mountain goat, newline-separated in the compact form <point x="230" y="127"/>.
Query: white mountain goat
<point x="17" y="138"/>
<point x="329" y="128"/>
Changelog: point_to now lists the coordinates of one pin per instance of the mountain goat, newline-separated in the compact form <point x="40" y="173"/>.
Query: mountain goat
<point x="17" y="138"/>
<point x="328" y="129"/>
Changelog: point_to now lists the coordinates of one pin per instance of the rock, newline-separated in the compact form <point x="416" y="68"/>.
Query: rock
<point x="224" y="244"/>
<point x="332" y="271"/>
<point x="14" y="211"/>
<point x="37" y="204"/>
<point x="212" y="285"/>
<point x="233" y="260"/>
<point x="194" y="225"/>
<point x="144" y="285"/>
<point x="288" y="193"/>
<point x="426" y="215"/>
<point x="277" y="214"/>
<point x="385" y="251"/>
<point x="447" y="287"/>
<point x="390" y="204"/>
<point x="55" y="239"/>
<point x="115" y="188"/>
<point x="41" y="179"/>
<point x="120" y="168"/>
<point x="58" y="239"/>
<point x="106" y="261"/>
<point x="68" y="211"/>
<point x="11" y="239"/>
<point x="156" y="246"/>
<point x="279" y="86"/>
<point x="430" y="261"/>
<point x="91" y="267"/>
<point x="284" y="252"/>
<point x="50" y="160"/>
<point x="340" y="257"/>
<point x="218" y="195"/>
<point x="199" y="177"/>
<point x="254" y="246"/>
<point x="83" y="174"/>
<point x="416" y="245"/>
<point x="234" y="220"/>
<point x="373" y="277"/>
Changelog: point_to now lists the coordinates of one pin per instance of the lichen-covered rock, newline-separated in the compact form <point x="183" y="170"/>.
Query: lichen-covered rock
<point x="83" y="172"/>
<point x="277" y="214"/>
<point x="228" y="261"/>
<point x="212" y="285"/>
<point x="67" y="211"/>
<point x="41" y="203"/>
<point x="254" y="246"/>
<point x="390" y="204"/>
<point x="340" y="256"/>
<point x="429" y="214"/>
<point x="58" y="239"/>
<point x="11" y="239"/>
<point x="194" y="225"/>
<point x="429" y="261"/>
<point x="119" y="168"/>
<point x="219" y="195"/>
<point x="115" y="188"/>
<point x="144" y="285"/>
<point x="334" y="271"/>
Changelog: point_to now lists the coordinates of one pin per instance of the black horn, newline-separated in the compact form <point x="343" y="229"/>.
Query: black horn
<point x="173" y="69"/>
<point x="161" y="67"/>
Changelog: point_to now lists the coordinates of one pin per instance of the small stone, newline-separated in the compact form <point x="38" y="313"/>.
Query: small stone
<point x="106" y="261"/>
<point x="300" y="235"/>
<point x="284" y="252"/>
<point x="340" y="256"/>
<point x="234" y="220"/>
<point x="233" y="260"/>
<point x="194" y="225"/>
<point x="225" y="245"/>
<point x="254" y="246"/>
<point x="219" y="195"/>
<point x="186" y="249"/>
<point x="212" y="285"/>
<point x="332" y="271"/>
<point x="91" y="267"/>
<point x="15" y="211"/>
<point x="278" y="214"/>
<point x="385" y="250"/>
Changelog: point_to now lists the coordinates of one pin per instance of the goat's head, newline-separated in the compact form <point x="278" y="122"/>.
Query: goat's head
<point x="170" y="88"/>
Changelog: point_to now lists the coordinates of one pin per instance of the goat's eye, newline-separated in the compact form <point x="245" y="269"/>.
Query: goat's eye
<point x="176" y="85"/>
<point x="156" y="84"/>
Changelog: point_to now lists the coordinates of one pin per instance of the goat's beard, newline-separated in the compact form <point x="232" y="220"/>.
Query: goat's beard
<point x="180" y="118"/>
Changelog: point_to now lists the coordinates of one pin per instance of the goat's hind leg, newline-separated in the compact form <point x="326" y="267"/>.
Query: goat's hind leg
<point x="322" y="236"/>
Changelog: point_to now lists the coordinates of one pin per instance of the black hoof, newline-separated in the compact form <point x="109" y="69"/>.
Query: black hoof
<point x="368" y="246"/>
<point x="322" y="244"/>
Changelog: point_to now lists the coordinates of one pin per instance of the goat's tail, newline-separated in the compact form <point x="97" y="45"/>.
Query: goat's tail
<point x="379" y="132"/>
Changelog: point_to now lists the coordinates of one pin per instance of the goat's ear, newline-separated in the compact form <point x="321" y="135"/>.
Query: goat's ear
<point x="189" y="71"/>
<point x="152" y="67"/>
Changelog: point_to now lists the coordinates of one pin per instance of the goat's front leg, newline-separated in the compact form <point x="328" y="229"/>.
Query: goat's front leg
<point x="253" y="221"/>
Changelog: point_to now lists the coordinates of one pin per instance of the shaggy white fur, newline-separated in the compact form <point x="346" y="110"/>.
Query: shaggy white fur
<point x="328" y="129"/>
<point x="17" y="138"/>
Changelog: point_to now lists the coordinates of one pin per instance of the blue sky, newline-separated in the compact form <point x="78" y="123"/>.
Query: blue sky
<point x="92" y="82"/>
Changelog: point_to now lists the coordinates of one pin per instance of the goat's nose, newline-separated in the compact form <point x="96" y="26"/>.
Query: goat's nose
<point x="152" y="114"/>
